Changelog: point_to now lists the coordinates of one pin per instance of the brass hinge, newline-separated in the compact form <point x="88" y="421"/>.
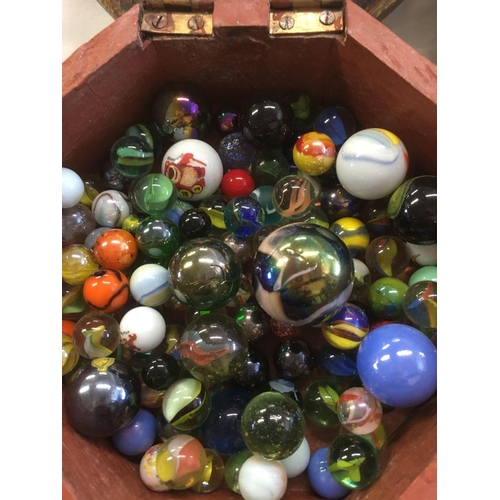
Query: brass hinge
<point x="293" y="17"/>
<point x="177" y="17"/>
<point x="286" y="17"/>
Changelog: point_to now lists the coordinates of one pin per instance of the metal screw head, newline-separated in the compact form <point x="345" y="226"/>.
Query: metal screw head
<point x="196" y="23"/>
<point x="327" y="17"/>
<point x="286" y="23"/>
<point x="157" y="21"/>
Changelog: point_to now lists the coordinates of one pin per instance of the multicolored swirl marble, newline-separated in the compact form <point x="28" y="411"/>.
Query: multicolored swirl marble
<point x="372" y="163"/>
<point x="302" y="274"/>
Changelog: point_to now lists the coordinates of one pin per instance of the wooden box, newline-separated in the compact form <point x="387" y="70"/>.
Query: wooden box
<point x="108" y="84"/>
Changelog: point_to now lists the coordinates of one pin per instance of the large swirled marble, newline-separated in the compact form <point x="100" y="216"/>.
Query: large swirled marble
<point x="302" y="274"/>
<point x="372" y="163"/>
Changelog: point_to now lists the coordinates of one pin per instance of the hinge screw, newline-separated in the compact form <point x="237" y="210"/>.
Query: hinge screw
<point x="196" y="23"/>
<point x="286" y="23"/>
<point x="327" y="17"/>
<point x="158" y="21"/>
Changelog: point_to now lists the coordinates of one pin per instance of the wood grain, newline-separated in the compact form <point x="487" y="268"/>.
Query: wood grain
<point x="108" y="84"/>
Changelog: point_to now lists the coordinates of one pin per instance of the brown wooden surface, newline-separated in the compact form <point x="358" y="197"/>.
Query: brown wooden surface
<point x="108" y="84"/>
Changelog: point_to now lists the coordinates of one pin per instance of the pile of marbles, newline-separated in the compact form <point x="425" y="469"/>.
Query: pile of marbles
<point x="237" y="274"/>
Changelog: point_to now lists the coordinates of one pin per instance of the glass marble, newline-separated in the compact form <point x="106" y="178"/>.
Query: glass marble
<point x="378" y="437"/>
<point x="358" y="411"/>
<point x="374" y="215"/>
<point x="244" y="216"/>
<point x="93" y="186"/>
<point x="313" y="216"/>
<point x="273" y="426"/>
<point x="314" y="153"/>
<point x="158" y="237"/>
<point x="78" y="263"/>
<point x="320" y="479"/>
<point x="213" y="348"/>
<point x="142" y="329"/>
<point x="154" y="193"/>
<point x="293" y="359"/>
<point x="181" y="113"/>
<point x="236" y="152"/>
<point x="302" y="274"/>
<point x="412" y="209"/>
<point x="283" y="386"/>
<point x="237" y="182"/>
<point x="372" y="163"/>
<point x="260" y="478"/>
<point x="337" y="364"/>
<point x="297" y="462"/>
<point x="72" y="298"/>
<point x="213" y="474"/>
<point x="253" y="320"/>
<point x="77" y="223"/>
<point x="96" y="335"/>
<point x="92" y="236"/>
<point x="304" y="110"/>
<point x="385" y="298"/>
<point x="112" y="179"/>
<point x="293" y="196"/>
<point x="151" y="285"/>
<point x="181" y="461"/>
<point x="116" y="249"/>
<point x="265" y="121"/>
<point x="194" y="167"/>
<point x="132" y="156"/>
<point x="132" y="222"/>
<point x="186" y="404"/>
<point x="268" y="167"/>
<point x="110" y="208"/>
<point x="232" y="469"/>
<point x="362" y="280"/>
<point x="420" y="303"/>
<point x="353" y="461"/>
<point x="353" y="233"/>
<point x="148" y="132"/>
<point x="264" y="195"/>
<point x="103" y="397"/>
<point x="137" y="436"/>
<point x="397" y="364"/>
<point x="206" y="273"/>
<point x="221" y="431"/>
<point x="151" y="398"/>
<point x="426" y="273"/>
<point x="72" y="187"/>
<point x="284" y="330"/>
<point x="147" y="470"/>
<point x="226" y="118"/>
<point x="70" y="355"/>
<point x="423" y="255"/>
<point x="386" y="256"/>
<point x="242" y="247"/>
<point x="255" y="370"/>
<point x="214" y="206"/>
<point x="320" y="402"/>
<point x="337" y="122"/>
<point x="261" y="234"/>
<point x="161" y="371"/>
<point x="346" y="328"/>
<point x="175" y="212"/>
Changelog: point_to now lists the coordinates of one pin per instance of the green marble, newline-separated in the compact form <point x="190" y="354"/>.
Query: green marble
<point x="272" y="426"/>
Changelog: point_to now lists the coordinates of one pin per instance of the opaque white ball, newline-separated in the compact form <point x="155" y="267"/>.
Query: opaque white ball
<point x="372" y="163"/>
<point x="298" y="461"/>
<point x="142" y="329"/>
<point x="261" y="479"/>
<point x="194" y="167"/>
<point x="73" y="188"/>
<point x="150" y="285"/>
<point x="424" y="255"/>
